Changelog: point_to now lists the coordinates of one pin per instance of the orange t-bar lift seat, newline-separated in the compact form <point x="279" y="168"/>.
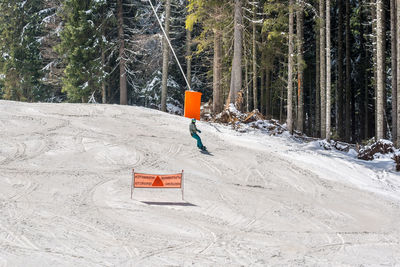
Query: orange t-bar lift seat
<point x="192" y="104"/>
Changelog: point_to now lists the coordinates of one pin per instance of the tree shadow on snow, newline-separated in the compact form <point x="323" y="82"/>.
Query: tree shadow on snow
<point x="186" y="204"/>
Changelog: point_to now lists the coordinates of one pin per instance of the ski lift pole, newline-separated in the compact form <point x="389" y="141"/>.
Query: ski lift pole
<point x="169" y="43"/>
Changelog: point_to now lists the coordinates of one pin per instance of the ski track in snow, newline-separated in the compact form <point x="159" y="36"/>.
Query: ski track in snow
<point x="66" y="170"/>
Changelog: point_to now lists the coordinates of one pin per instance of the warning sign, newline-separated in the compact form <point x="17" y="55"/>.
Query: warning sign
<point x="142" y="180"/>
<point x="158" y="182"/>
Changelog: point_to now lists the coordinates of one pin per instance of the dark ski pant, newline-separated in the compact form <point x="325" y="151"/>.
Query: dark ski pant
<point x="199" y="143"/>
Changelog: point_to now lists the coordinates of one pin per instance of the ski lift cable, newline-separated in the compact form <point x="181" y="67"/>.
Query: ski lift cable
<point x="169" y="43"/>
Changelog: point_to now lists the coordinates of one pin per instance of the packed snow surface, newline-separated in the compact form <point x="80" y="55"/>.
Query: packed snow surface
<point x="255" y="200"/>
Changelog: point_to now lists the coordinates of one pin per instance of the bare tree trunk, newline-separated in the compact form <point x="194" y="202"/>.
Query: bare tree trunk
<point x="318" y="83"/>
<point x="122" y="61"/>
<point x="264" y="69"/>
<point x="109" y="94"/>
<point x="394" y="48"/>
<point x="189" y="57"/>
<point x="236" y="74"/>
<point x="164" y="86"/>
<point x="398" y="73"/>
<point x="385" y="119"/>
<point x="366" y="108"/>
<point x="328" y="70"/>
<point x="282" y="94"/>
<point x="300" y="66"/>
<point x="217" y="86"/>
<point x="268" y="92"/>
<point x="310" y="110"/>
<point x="262" y="86"/>
<point x="246" y="77"/>
<point x="255" y="94"/>
<point x="374" y="58"/>
<point x="380" y="70"/>
<point x="103" y="82"/>
<point x="340" y="71"/>
<point x="348" y="77"/>
<point x="290" y="70"/>
<point x="322" y="58"/>
<point x="365" y="59"/>
<point x="103" y="66"/>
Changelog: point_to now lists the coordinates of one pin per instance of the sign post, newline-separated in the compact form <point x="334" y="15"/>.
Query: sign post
<point x="133" y="177"/>
<point x="182" y="187"/>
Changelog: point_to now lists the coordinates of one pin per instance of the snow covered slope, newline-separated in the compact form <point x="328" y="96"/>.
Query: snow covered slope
<point x="65" y="174"/>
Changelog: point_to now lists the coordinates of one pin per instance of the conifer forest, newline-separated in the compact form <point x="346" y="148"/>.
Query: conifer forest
<point x="329" y="69"/>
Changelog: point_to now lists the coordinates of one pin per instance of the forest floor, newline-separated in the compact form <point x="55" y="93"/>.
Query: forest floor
<point x="255" y="200"/>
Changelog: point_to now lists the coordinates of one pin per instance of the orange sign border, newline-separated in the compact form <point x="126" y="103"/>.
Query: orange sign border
<point x="159" y="179"/>
<point x="155" y="177"/>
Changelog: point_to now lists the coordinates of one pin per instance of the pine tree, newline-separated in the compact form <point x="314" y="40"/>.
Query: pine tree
<point x="398" y="74"/>
<point x="246" y="74"/>
<point x="217" y="69"/>
<point x="328" y="69"/>
<point x="290" y="69"/>
<point x="20" y="63"/>
<point x="364" y="77"/>
<point x="300" y="65"/>
<point x="213" y="17"/>
<point x="53" y="69"/>
<point x="189" y="56"/>
<point x="123" y="94"/>
<point x="275" y="57"/>
<point x="394" y="48"/>
<point x="322" y="59"/>
<point x="81" y="46"/>
<point x="317" y="81"/>
<point x="340" y="98"/>
<point x="264" y="101"/>
<point x="348" y="77"/>
<point x="380" y="71"/>
<point x="254" y="52"/>
<point x="236" y="74"/>
<point x="165" y="57"/>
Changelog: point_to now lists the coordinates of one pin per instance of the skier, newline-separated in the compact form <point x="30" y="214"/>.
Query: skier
<point x="193" y="132"/>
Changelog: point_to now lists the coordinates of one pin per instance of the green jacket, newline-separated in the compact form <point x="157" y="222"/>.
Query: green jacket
<point x="193" y="129"/>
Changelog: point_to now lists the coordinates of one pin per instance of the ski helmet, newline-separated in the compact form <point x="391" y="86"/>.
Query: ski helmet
<point x="193" y="120"/>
